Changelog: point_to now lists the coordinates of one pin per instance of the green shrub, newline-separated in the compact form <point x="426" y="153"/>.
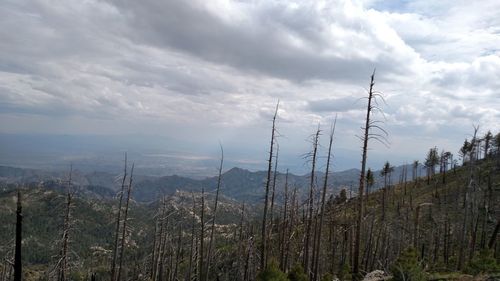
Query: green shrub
<point x="271" y="273"/>
<point x="407" y="267"/>
<point x="327" y="277"/>
<point x="297" y="273"/>
<point x="483" y="262"/>
<point x="345" y="272"/>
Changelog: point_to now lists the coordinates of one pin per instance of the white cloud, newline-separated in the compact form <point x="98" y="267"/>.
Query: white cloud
<point x="212" y="67"/>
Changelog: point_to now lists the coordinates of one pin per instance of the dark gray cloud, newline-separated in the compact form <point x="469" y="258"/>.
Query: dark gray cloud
<point x="293" y="44"/>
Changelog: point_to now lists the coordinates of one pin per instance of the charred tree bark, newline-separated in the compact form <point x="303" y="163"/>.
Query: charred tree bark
<point x="63" y="262"/>
<point x="124" y="229"/>
<point x="212" y="230"/>
<point x="153" y="254"/>
<point x="241" y="247"/>
<point x="18" y="266"/>
<point x="463" y="234"/>
<point x="202" y="235"/>
<point x="117" y="227"/>
<point x="289" y="234"/>
<point x="193" y="233"/>
<point x="285" y="226"/>
<point x="493" y="237"/>
<point x="273" y="191"/>
<point x="322" y="208"/>
<point x="263" y="248"/>
<point x="366" y="136"/>
<point x="310" y="204"/>
<point x="157" y="261"/>
<point x="177" y="254"/>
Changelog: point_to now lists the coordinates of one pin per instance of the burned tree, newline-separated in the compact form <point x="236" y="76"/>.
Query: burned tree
<point x="124" y="227"/>
<point x="263" y="246"/>
<point x="18" y="266"/>
<point x="62" y="274"/>
<point x="322" y="210"/>
<point x="273" y="189"/>
<point x="212" y="230"/>
<point x="118" y="222"/>
<point x="467" y="189"/>
<point x="367" y="135"/>
<point x="310" y="200"/>
<point x="202" y="235"/>
<point x="193" y="234"/>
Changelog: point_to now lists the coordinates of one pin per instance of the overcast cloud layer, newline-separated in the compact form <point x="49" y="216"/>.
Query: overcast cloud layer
<point x="214" y="70"/>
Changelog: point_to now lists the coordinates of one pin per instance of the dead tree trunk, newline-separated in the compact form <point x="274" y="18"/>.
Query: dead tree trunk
<point x="273" y="191"/>
<point x="125" y="216"/>
<point x="263" y="248"/>
<point x="202" y="234"/>
<point x="63" y="261"/>
<point x="293" y="212"/>
<point x="310" y="204"/>
<point x="241" y="246"/>
<point x="285" y="226"/>
<point x="18" y="266"/>
<point x="157" y="263"/>
<point x="212" y="231"/>
<point x="493" y="237"/>
<point x="463" y="234"/>
<point x="322" y="208"/>
<point x="118" y="221"/>
<point x="177" y="254"/>
<point x="193" y="233"/>
<point x="366" y="136"/>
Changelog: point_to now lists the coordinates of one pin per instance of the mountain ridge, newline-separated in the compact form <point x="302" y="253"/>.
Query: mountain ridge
<point x="237" y="183"/>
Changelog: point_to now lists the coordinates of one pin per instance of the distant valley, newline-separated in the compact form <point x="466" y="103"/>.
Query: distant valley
<point x="238" y="184"/>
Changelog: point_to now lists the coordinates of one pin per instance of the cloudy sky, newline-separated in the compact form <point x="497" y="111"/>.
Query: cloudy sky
<point x="198" y="72"/>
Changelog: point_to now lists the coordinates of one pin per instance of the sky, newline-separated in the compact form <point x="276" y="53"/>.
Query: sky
<point x="188" y="75"/>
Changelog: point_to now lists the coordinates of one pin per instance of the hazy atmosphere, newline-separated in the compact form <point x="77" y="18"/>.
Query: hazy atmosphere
<point x="249" y="140"/>
<point x="169" y="80"/>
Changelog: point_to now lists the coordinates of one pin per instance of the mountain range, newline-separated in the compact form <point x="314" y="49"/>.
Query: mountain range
<point x="239" y="184"/>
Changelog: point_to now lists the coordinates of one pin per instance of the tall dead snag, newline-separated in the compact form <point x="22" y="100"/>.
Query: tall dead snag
<point x="241" y="247"/>
<point x="212" y="230"/>
<point x="381" y="136"/>
<point x="63" y="260"/>
<point x="285" y="226"/>
<point x="193" y="233"/>
<point x="416" y="224"/>
<point x="124" y="228"/>
<point x="18" y="266"/>
<point x="154" y="250"/>
<point x="493" y="237"/>
<point x="322" y="208"/>
<point x="310" y="203"/>
<point x="263" y="246"/>
<point x="202" y="235"/>
<point x="273" y="191"/>
<point x="468" y="187"/>
<point x="175" y="275"/>
<point x="118" y="220"/>
<point x="158" y="253"/>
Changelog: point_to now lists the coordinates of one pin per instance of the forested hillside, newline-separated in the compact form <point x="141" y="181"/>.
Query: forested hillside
<point x="440" y="225"/>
